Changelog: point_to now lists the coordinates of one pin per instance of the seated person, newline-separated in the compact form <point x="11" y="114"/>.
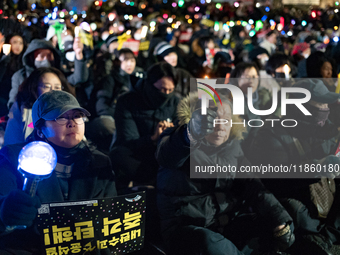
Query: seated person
<point x="140" y="117"/>
<point x="203" y="214"/>
<point x="81" y="172"/>
<point x="41" y="80"/>
<point x="122" y="79"/>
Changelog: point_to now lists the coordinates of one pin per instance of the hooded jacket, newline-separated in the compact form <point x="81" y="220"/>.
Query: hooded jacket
<point x="202" y="202"/>
<point x="80" y="74"/>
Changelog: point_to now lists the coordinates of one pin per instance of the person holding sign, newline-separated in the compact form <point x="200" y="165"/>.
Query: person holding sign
<point x="82" y="172"/>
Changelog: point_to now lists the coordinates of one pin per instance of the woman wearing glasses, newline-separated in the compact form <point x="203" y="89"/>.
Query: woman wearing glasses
<point x="82" y="172"/>
<point x="41" y="80"/>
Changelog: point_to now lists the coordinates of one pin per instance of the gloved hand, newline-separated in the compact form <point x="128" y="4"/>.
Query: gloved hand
<point x="332" y="166"/>
<point x="19" y="208"/>
<point x="202" y="125"/>
<point x="284" y="238"/>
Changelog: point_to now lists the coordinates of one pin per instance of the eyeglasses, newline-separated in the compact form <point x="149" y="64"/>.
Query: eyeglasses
<point x="49" y="87"/>
<point x="78" y="117"/>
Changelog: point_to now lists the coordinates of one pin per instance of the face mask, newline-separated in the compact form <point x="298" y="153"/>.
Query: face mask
<point x="137" y="36"/>
<point x="70" y="56"/>
<point x="280" y="75"/>
<point x="319" y="115"/>
<point x="44" y="63"/>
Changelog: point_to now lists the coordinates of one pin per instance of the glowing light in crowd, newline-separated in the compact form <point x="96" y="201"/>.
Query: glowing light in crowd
<point x="244" y="23"/>
<point x="264" y="17"/>
<point x="139" y="15"/>
<point x="293" y="22"/>
<point x="143" y="6"/>
<point x="47" y="11"/>
<point x="279" y="27"/>
<point x="111" y="16"/>
<point x="258" y="5"/>
<point x="304" y="23"/>
<point x="54" y="15"/>
<point x="289" y="33"/>
<point x="152" y="23"/>
<point x="202" y="1"/>
<point x="189" y="21"/>
<point x="187" y="16"/>
<point x="19" y="16"/>
<point x="337" y="3"/>
<point x="236" y="4"/>
<point x="259" y="25"/>
<point x="283" y="32"/>
<point x="126" y="17"/>
<point x="96" y="3"/>
<point x="61" y="14"/>
<point x="144" y="31"/>
<point x="326" y="40"/>
<point x="336" y="10"/>
<point x="122" y="1"/>
<point x="35" y="20"/>
<point x="46" y="19"/>
<point x="238" y="22"/>
<point x="196" y="16"/>
<point x="174" y="4"/>
<point x="127" y="2"/>
<point x="267" y="9"/>
<point x="49" y="15"/>
<point x="272" y="22"/>
<point x="218" y="6"/>
<point x="170" y="20"/>
<point x="231" y="23"/>
<point x="252" y="33"/>
<point x="216" y="26"/>
<point x="336" y="27"/>
<point x="336" y="39"/>
<point x="93" y="26"/>
<point x="55" y="9"/>
<point x="75" y="16"/>
<point x="313" y="14"/>
<point x="33" y="6"/>
<point x="165" y="1"/>
<point x="197" y="8"/>
<point x="165" y="16"/>
<point x="72" y="20"/>
<point x="71" y="12"/>
<point x="248" y="26"/>
<point x="208" y="1"/>
<point x="132" y="3"/>
<point x="130" y="17"/>
<point x="251" y="22"/>
<point x="180" y="3"/>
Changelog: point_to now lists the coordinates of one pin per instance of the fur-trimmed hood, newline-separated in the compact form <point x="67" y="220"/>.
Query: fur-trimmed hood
<point x="191" y="102"/>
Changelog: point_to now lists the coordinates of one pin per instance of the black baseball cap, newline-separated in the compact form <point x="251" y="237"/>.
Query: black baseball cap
<point x="52" y="104"/>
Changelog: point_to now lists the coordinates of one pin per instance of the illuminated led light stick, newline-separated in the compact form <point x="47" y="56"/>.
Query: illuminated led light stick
<point x="37" y="161"/>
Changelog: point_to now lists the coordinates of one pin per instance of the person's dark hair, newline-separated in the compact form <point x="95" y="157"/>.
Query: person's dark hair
<point x="241" y="67"/>
<point x="160" y="70"/>
<point x="270" y="33"/>
<point x="28" y="90"/>
<point x="314" y="63"/>
<point x="8" y="38"/>
<point x="275" y="61"/>
<point x="127" y="53"/>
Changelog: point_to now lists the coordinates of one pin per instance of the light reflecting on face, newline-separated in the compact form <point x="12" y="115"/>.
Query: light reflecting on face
<point x="17" y="44"/>
<point x="221" y="131"/>
<point x="48" y="82"/>
<point x="171" y="58"/>
<point x="68" y="135"/>
<point x="249" y="78"/>
<point x="128" y="63"/>
<point x="326" y="70"/>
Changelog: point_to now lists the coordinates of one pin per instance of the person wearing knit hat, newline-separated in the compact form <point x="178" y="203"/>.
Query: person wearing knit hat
<point x="165" y="52"/>
<point x="111" y="42"/>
